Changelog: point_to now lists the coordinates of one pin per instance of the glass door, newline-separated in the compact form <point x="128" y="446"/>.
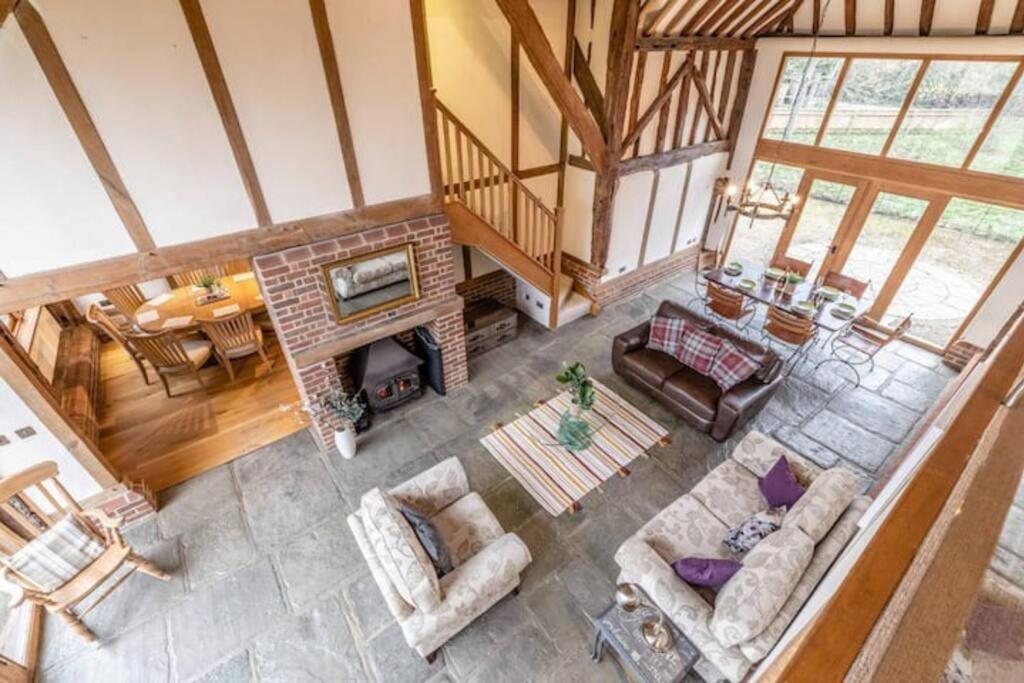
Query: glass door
<point x="821" y="220"/>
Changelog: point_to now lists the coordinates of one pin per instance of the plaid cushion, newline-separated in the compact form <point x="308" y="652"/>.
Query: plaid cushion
<point x="56" y="555"/>
<point x="731" y="366"/>
<point x="697" y="348"/>
<point x="665" y="334"/>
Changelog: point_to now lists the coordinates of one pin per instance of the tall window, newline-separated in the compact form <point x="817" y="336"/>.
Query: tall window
<point x="802" y="96"/>
<point x="1003" y="151"/>
<point x="756" y="237"/>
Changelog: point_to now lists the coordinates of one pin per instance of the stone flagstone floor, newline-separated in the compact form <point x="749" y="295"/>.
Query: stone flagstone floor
<point x="268" y="584"/>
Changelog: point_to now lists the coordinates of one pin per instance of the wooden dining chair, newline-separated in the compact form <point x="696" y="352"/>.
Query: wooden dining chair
<point x="791" y="330"/>
<point x="235" y="336"/>
<point x="729" y="305"/>
<point x="126" y="299"/>
<point x="859" y="343"/>
<point x="845" y="283"/>
<point x="171" y="355"/>
<point x="237" y="267"/>
<point x="195" y="277"/>
<point x="792" y="265"/>
<point x="58" y="553"/>
<point x="97" y="316"/>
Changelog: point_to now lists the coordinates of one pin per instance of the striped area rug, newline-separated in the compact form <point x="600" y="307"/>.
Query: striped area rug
<point x="555" y="476"/>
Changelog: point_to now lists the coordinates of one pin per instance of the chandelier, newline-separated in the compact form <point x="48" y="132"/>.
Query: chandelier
<point x="761" y="200"/>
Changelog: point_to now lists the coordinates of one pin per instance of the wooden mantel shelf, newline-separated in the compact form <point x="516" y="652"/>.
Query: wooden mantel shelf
<point x="391" y="327"/>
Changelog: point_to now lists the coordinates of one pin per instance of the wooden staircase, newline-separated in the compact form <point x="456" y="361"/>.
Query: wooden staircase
<point x="491" y="209"/>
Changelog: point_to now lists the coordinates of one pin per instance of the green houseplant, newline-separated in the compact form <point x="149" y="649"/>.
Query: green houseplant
<point x="574" y="431"/>
<point x="209" y="283"/>
<point x="349" y="410"/>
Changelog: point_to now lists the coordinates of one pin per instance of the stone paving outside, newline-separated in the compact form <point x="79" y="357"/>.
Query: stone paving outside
<point x="267" y="583"/>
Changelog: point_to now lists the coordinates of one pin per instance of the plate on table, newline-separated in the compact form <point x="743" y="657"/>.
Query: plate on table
<point x="734" y="268"/>
<point x="829" y="293"/>
<point x="746" y="283"/>
<point x="774" y="273"/>
<point x="805" y="308"/>
<point x="844" y="311"/>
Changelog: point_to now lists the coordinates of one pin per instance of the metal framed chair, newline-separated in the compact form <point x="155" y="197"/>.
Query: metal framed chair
<point x="126" y="299"/>
<point x="859" y="343"/>
<point x="97" y="316"/>
<point x="792" y="265"/>
<point x="195" y="277"/>
<point x="844" y="283"/>
<point x="235" y="336"/>
<point x="58" y="553"/>
<point x="791" y="330"/>
<point x="171" y="355"/>
<point x="729" y="305"/>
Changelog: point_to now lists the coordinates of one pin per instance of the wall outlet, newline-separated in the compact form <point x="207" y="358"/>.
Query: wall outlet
<point x="622" y="269"/>
<point x="540" y="304"/>
<point x="25" y="432"/>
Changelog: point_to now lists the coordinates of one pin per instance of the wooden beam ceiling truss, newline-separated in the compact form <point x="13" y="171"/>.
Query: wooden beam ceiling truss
<point x="711" y="24"/>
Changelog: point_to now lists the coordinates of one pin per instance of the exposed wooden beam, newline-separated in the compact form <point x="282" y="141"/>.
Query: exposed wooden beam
<point x="52" y="65"/>
<point x="851" y="17"/>
<point x="739" y="103"/>
<point x="711" y="24"/>
<point x="654" y="18"/>
<point x="325" y="43"/>
<point x="528" y="31"/>
<point x="890" y="17"/>
<point x="634" y="99"/>
<point x="681" y="109"/>
<point x="816" y="17"/>
<point x="1017" y="23"/>
<point x="656" y="43"/>
<point x="563" y="133"/>
<point x="655" y="106"/>
<point x="672" y="157"/>
<point x="927" y="14"/>
<point x="994" y="115"/>
<point x="683" y="8"/>
<point x="659" y="141"/>
<point x="203" y="42"/>
<point x="697" y="17"/>
<point x="592" y="96"/>
<point x="984" y="16"/>
<point x="5" y="9"/>
<point x="417" y="11"/>
<point x="513" y="78"/>
<point x="700" y="82"/>
<point x="581" y="162"/>
<point x="682" y="208"/>
<point x="768" y="19"/>
<point x="54" y="285"/>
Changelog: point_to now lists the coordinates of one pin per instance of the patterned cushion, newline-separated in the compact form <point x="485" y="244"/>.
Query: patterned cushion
<point x="730" y="492"/>
<point x="665" y="334"/>
<point x="753" y="530"/>
<point x="822" y="504"/>
<point x="57" y="555"/>
<point x="697" y="348"/>
<point x="759" y="453"/>
<point x="731" y="366"/>
<point x="467" y="526"/>
<point x="753" y="597"/>
<point x="685" y="529"/>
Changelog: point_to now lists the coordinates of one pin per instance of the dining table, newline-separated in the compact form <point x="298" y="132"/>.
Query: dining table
<point x="767" y="291"/>
<point x="185" y="307"/>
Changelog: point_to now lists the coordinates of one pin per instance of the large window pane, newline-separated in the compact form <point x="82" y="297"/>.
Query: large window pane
<point x="802" y="96"/>
<point x="824" y="208"/>
<point x="949" y="110"/>
<point x="755" y="239"/>
<point x="1003" y="150"/>
<point x="868" y="104"/>
<point x="966" y="249"/>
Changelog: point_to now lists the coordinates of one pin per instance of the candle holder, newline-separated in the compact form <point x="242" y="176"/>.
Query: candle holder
<point x="656" y="634"/>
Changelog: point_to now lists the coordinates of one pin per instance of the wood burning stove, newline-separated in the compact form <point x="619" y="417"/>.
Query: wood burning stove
<point x="387" y="372"/>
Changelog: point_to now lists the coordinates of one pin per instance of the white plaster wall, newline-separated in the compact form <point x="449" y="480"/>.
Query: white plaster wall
<point x="666" y="210"/>
<point x="628" y="216"/>
<point x="698" y="202"/>
<point x="140" y="77"/>
<point x="540" y="121"/>
<point x="377" y="61"/>
<point x="579" y="212"/>
<point x="39" y="158"/>
<point x="19" y="453"/>
<point x="272" y="66"/>
<point x="1005" y="298"/>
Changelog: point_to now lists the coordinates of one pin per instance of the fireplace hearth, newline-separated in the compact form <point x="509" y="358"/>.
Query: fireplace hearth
<point x="388" y="373"/>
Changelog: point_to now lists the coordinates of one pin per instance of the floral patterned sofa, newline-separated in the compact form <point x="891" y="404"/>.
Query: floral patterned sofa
<point x="737" y="627"/>
<point x="487" y="560"/>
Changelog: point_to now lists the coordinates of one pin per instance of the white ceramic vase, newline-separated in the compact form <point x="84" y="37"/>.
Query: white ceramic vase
<point x="345" y="442"/>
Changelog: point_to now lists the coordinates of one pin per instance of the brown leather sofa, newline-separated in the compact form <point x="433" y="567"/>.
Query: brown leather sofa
<point x="687" y="393"/>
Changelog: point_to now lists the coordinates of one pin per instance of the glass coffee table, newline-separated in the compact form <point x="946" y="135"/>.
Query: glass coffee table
<point x="620" y="630"/>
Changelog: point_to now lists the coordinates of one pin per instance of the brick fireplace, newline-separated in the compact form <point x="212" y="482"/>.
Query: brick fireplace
<point x="317" y="347"/>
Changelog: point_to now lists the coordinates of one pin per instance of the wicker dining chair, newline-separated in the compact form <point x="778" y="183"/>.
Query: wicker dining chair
<point x="845" y="283"/>
<point x="126" y="299"/>
<point x="196" y="277"/>
<point x="235" y="336"/>
<point x="171" y="355"/>
<point x="729" y="305"/>
<point x="58" y="553"/>
<point x="860" y="342"/>
<point x="791" y="330"/>
<point x="97" y="316"/>
<point x="793" y="265"/>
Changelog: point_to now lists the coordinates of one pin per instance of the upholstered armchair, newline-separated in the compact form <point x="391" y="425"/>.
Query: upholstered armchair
<point x="487" y="561"/>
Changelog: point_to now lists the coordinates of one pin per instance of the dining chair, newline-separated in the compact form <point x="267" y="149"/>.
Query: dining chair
<point x="845" y="283"/>
<point x="126" y="299"/>
<point x="58" y="553"/>
<point x="792" y="265"/>
<point x="97" y="316"/>
<point x="791" y="330"/>
<point x="171" y="355"/>
<point x="729" y="305"/>
<point x="859" y="342"/>
<point x="237" y="267"/>
<point x="195" y="277"/>
<point x="235" y="336"/>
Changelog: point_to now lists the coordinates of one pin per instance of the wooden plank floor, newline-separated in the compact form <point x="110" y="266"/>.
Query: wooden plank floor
<point x="164" y="441"/>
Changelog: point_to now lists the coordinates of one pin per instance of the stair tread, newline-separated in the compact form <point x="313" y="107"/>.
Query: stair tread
<point x="575" y="308"/>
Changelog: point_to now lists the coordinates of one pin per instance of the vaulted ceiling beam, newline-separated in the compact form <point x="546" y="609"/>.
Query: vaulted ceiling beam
<point x="527" y="30"/>
<point x="592" y="96"/>
<point x="984" y="16"/>
<point x="654" y="43"/>
<point x="5" y="9"/>
<point x="654" y="107"/>
<point x="927" y="14"/>
<point x="1017" y="23"/>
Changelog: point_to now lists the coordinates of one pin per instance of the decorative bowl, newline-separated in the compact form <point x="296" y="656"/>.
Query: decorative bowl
<point x="734" y="268"/>
<point x="829" y="293"/>
<point x="746" y="283"/>
<point x="805" y="308"/>
<point x="844" y="311"/>
<point x="774" y="273"/>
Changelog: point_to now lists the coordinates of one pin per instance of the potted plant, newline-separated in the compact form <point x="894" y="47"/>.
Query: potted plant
<point x="792" y="279"/>
<point x="574" y="431"/>
<point x="209" y="283"/>
<point x="349" y="410"/>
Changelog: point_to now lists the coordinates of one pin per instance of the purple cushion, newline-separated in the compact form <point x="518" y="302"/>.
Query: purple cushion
<point x="703" y="571"/>
<point x="779" y="486"/>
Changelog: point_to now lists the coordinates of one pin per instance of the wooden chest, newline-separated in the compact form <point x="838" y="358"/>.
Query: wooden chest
<point x="488" y="325"/>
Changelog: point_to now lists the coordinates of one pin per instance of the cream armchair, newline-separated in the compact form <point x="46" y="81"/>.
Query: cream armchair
<point x="487" y="561"/>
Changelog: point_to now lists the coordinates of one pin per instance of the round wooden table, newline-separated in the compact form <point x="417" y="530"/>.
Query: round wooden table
<point x="242" y="290"/>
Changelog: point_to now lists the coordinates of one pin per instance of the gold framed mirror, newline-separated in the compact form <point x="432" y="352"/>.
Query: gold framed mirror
<point x="370" y="283"/>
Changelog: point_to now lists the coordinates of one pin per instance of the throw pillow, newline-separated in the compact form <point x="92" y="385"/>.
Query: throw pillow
<point x="697" y="348"/>
<point x="665" y="334"/>
<point x="703" y="571"/>
<point x="731" y="366"/>
<point x="430" y="539"/>
<point x="779" y="485"/>
<point x="753" y="530"/>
